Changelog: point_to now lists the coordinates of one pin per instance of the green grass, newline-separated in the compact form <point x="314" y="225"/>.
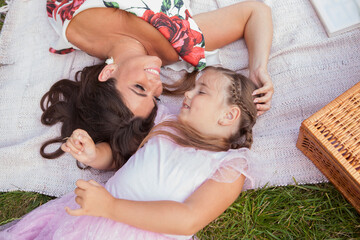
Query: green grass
<point x="2" y="16"/>
<point x="291" y="212"/>
<point x="15" y="204"/>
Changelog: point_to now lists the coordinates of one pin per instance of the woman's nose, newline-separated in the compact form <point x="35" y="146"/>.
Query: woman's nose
<point x="156" y="86"/>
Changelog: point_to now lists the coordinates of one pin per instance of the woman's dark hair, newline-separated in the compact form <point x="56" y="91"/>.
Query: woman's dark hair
<point x="96" y="107"/>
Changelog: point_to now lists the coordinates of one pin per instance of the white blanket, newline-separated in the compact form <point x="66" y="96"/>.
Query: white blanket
<point x="308" y="70"/>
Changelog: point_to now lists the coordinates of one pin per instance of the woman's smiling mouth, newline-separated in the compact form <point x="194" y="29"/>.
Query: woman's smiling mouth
<point x="155" y="71"/>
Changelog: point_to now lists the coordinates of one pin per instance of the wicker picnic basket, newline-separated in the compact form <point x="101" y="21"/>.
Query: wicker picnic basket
<point x="330" y="138"/>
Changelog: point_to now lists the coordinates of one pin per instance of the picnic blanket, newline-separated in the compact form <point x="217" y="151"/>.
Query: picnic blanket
<point x="308" y="70"/>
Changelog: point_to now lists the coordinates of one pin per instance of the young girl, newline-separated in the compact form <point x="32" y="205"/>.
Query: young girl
<point x="189" y="170"/>
<point x="114" y="100"/>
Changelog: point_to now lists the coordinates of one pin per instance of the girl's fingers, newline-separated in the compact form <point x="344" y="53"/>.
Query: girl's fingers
<point x="73" y="145"/>
<point x="93" y="182"/>
<point x="71" y="148"/>
<point x="81" y="135"/>
<point x="83" y="184"/>
<point x="80" y="131"/>
<point x="75" y="212"/>
<point x="78" y="143"/>
<point x="76" y="139"/>
<point x="82" y="139"/>
<point x="65" y="148"/>
<point x="79" y="192"/>
<point x="78" y="200"/>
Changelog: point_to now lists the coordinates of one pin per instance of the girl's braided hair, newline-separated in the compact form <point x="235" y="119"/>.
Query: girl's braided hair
<point x="240" y="90"/>
<point x="239" y="93"/>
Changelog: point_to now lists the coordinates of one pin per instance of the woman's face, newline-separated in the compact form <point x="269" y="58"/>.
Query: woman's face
<point x="138" y="80"/>
<point x="205" y="104"/>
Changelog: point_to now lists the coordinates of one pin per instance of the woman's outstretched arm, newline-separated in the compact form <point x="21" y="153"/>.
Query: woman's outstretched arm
<point x="249" y="20"/>
<point x="209" y="201"/>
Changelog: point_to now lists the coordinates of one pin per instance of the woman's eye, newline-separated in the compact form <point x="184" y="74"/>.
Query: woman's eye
<point x="201" y="92"/>
<point x="157" y="99"/>
<point x="140" y="87"/>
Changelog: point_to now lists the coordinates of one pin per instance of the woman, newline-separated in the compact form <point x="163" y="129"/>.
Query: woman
<point x="140" y="39"/>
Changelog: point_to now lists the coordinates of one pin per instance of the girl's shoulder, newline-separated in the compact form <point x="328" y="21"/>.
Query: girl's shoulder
<point x="233" y="163"/>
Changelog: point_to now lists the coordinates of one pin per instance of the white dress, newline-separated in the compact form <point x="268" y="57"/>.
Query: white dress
<point x="161" y="170"/>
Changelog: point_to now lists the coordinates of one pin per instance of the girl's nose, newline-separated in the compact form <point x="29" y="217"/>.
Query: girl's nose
<point x="188" y="94"/>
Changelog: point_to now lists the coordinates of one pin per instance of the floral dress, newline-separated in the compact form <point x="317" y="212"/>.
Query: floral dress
<point x="171" y="17"/>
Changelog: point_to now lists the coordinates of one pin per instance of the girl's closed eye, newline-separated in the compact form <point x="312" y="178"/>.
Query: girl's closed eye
<point x="157" y="99"/>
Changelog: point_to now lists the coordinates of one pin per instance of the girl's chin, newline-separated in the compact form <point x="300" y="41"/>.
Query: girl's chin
<point x="182" y="115"/>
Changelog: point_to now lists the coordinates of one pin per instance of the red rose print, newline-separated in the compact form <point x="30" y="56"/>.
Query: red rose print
<point x="188" y="15"/>
<point x="61" y="51"/>
<point x="65" y="9"/>
<point x="195" y="56"/>
<point x="179" y="34"/>
<point x="50" y="6"/>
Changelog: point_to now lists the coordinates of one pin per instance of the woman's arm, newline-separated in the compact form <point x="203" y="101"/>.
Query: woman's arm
<point x="81" y="146"/>
<point x="253" y="21"/>
<point x="203" y="206"/>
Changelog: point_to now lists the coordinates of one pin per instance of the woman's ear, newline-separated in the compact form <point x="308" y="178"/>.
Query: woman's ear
<point x="106" y="72"/>
<point x="230" y="116"/>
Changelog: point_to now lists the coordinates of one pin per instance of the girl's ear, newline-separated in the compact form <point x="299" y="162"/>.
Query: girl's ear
<point x="106" y="72"/>
<point x="230" y="116"/>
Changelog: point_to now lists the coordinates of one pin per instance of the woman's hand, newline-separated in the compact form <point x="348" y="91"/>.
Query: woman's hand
<point x="93" y="198"/>
<point x="265" y="91"/>
<point x="81" y="146"/>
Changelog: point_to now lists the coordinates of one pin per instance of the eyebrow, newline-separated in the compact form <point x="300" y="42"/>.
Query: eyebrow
<point x="141" y="95"/>
<point x="137" y="93"/>
<point x="204" y="85"/>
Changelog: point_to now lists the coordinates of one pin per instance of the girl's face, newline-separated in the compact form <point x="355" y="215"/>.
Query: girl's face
<point x="206" y="103"/>
<point x="138" y="80"/>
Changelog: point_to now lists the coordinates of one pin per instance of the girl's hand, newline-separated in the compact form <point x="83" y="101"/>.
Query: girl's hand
<point x="93" y="198"/>
<point x="262" y="79"/>
<point x="81" y="146"/>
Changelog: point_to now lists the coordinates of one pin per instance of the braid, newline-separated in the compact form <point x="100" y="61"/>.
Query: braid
<point x="236" y="89"/>
<point x="240" y="94"/>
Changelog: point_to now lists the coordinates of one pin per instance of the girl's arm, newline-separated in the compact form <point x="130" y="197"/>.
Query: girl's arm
<point x="253" y="21"/>
<point x="203" y="206"/>
<point x="81" y="146"/>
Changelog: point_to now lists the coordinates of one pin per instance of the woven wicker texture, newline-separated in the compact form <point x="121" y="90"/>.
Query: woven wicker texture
<point x="331" y="139"/>
<point x="341" y="127"/>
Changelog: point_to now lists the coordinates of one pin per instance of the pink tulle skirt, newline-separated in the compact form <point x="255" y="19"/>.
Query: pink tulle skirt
<point x="50" y="221"/>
